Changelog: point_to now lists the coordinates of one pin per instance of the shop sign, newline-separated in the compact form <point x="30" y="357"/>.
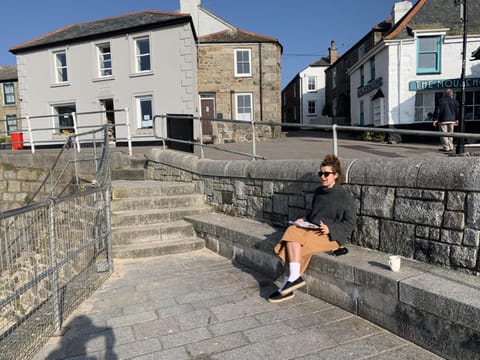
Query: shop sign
<point x="371" y="85"/>
<point x="442" y="84"/>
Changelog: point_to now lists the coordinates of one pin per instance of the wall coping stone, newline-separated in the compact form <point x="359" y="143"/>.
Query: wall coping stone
<point x="460" y="173"/>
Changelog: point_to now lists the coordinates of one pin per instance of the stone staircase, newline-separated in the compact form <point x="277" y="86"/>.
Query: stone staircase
<point x="147" y="218"/>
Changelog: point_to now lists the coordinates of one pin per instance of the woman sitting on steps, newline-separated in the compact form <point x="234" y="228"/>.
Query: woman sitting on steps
<point x="329" y="223"/>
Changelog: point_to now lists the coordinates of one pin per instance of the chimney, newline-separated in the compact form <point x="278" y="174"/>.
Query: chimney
<point x="400" y="9"/>
<point x="189" y="6"/>
<point x="332" y="52"/>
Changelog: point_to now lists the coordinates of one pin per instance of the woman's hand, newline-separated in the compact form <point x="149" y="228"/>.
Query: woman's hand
<point x="324" y="230"/>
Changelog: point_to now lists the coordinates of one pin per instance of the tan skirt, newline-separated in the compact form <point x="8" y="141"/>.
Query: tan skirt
<point x="312" y="242"/>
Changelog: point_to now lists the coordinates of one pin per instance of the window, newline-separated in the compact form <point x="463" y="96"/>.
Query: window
<point x="242" y="62"/>
<point x="104" y="60"/>
<point x="361" y="51"/>
<point x="142" y="53"/>
<point x="61" y="66"/>
<point x="12" y="123"/>
<point x="145" y="111"/>
<point x="312" y="107"/>
<point x="312" y="83"/>
<point x="63" y="118"/>
<point x="372" y="68"/>
<point x="362" y="76"/>
<point x="244" y="107"/>
<point x="334" y="78"/>
<point x="8" y="94"/>
<point x="428" y="54"/>
<point x="472" y="105"/>
<point x="425" y="105"/>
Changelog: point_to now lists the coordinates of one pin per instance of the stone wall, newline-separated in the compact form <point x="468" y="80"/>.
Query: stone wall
<point x="18" y="183"/>
<point x="424" y="209"/>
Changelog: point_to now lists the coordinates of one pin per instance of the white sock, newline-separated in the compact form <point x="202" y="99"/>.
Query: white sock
<point x="294" y="271"/>
<point x="285" y="280"/>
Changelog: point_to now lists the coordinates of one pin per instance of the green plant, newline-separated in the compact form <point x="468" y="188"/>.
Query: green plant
<point x="4" y="140"/>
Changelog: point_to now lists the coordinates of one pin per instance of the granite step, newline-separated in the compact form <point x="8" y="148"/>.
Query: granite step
<point x="153" y="232"/>
<point x="157" y="202"/>
<point x="155" y="216"/>
<point x="157" y="248"/>
<point x="127" y="189"/>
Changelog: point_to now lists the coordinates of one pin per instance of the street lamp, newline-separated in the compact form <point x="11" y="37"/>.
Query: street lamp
<point x="463" y="17"/>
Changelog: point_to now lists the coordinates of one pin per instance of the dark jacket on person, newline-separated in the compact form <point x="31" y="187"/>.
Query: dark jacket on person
<point x="446" y="110"/>
<point x="336" y="208"/>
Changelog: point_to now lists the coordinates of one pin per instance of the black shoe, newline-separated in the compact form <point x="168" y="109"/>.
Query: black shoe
<point x="277" y="297"/>
<point x="292" y="285"/>
<point x="340" y="251"/>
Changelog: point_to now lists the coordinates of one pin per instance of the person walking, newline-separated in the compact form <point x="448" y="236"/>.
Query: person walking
<point x="446" y="117"/>
<point x="327" y="227"/>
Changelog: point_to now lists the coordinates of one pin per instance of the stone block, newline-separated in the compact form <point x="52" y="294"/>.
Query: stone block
<point x="471" y="238"/>
<point x="280" y="204"/>
<point x="473" y="210"/>
<point x="432" y="252"/>
<point x="418" y="212"/>
<point x="454" y="220"/>
<point x="451" y="237"/>
<point x="367" y="233"/>
<point x="464" y="257"/>
<point x="433" y="195"/>
<point x="456" y="201"/>
<point x="378" y="201"/>
<point x="397" y="238"/>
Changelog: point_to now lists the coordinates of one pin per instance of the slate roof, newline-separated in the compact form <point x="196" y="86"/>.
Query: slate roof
<point x="235" y="35"/>
<point x="324" y="61"/>
<point x="8" y="73"/>
<point x="122" y="24"/>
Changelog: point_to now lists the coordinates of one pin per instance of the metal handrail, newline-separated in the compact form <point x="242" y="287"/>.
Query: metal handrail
<point x="333" y="128"/>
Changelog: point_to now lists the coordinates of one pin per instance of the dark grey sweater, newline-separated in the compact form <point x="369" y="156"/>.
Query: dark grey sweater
<point x="336" y="208"/>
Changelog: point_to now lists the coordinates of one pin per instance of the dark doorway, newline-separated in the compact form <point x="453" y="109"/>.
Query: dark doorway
<point x="207" y="107"/>
<point x="110" y="118"/>
<point x="180" y="127"/>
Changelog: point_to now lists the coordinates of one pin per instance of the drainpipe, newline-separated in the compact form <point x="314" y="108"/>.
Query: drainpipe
<point x="260" y="85"/>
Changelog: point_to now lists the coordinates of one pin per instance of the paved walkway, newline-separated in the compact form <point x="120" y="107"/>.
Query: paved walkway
<point x="199" y="305"/>
<point x="315" y="144"/>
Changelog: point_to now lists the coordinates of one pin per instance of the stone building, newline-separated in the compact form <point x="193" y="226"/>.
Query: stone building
<point x="239" y="77"/>
<point x="9" y="105"/>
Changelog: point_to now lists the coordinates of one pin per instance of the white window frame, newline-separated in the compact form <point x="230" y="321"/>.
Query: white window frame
<point x="139" y="56"/>
<point x="242" y="115"/>
<point x="8" y="89"/>
<point x="104" y="60"/>
<point x="144" y="122"/>
<point x="437" y="52"/>
<point x="239" y="62"/>
<point x="69" y="128"/>
<point x="60" y="68"/>
<point x="312" y="83"/>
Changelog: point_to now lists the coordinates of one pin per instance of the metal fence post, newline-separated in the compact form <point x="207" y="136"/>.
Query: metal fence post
<point x="129" y="131"/>
<point x="75" y="129"/>
<point x="30" y="134"/>
<point x="108" y="209"/>
<point x="57" y="314"/>
<point x="335" y="140"/>
<point x="202" y="154"/>
<point x="254" y="145"/>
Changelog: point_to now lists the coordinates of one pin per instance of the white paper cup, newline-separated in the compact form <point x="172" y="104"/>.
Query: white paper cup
<point x="394" y="262"/>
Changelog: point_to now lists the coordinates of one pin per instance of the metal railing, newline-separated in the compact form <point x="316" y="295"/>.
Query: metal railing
<point x="334" y="129"/>
<point x="33" y="136"/>
<point x="55" y="252"/>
